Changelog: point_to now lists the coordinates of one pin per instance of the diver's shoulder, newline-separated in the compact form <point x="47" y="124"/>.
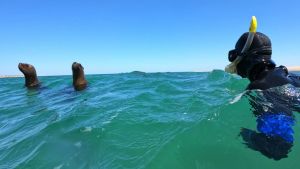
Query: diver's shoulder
<point x="276" y="77"/>
<point x="271" y="78"/>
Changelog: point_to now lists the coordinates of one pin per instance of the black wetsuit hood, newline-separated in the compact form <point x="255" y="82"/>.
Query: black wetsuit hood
<point x="257" y="58"/>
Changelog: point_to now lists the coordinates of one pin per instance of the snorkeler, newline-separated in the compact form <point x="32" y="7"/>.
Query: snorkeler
<point x="251" y="59"/>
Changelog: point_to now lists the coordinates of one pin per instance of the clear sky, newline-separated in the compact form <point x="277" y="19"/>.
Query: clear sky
<point x="111" y="36"/>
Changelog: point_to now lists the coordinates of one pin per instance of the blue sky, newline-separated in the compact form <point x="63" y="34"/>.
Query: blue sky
<point x="111" y="36"/>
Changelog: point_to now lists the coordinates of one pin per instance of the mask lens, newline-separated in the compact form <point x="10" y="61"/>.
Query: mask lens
<point x="232" y="55"/>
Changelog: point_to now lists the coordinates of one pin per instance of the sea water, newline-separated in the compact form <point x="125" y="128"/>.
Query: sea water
<point x="132" y="120"/>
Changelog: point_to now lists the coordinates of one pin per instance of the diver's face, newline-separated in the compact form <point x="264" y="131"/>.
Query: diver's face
<point x="233" y="57"/>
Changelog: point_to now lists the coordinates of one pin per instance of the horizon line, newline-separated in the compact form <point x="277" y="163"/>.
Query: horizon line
<point x="21" y="75"/>
<point x="290" y="68"/>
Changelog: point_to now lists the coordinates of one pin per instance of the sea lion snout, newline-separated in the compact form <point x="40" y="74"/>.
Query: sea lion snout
<point x="77" y="66"/>
<point x="22" y="66"/>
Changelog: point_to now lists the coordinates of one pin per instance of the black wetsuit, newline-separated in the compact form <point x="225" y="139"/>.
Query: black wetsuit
<point x="272" y="147"/>
<point x="273" y="104"/>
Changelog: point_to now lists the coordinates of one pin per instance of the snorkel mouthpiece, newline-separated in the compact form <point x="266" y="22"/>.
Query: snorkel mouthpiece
<point x="231" y="68"/>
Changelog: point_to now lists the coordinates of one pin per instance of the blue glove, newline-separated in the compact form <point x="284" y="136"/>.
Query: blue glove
<point x="273" y="125"/>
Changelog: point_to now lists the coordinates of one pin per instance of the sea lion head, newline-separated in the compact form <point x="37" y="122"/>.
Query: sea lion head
<point x="79" y="81"/>
<point x="29" y="72"/>
<point x="27" y="69"/>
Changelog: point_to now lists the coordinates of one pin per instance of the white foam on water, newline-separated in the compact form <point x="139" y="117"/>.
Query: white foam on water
<point x="87" y="129"/>
<point x="58" y="167"/>
<point x="237" y="98"/>
<point x="111" y="118"/>
<point x="78" y="144"/>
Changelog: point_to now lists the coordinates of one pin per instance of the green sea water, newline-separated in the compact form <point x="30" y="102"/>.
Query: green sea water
<point x="132" y="120"/>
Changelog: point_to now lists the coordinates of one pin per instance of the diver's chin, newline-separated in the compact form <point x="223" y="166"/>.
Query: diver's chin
<point x="231" y="68"/>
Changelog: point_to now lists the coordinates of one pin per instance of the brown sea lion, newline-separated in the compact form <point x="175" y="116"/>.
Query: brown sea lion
<point x="79" y="81"/>
<point x="29" y="72"/>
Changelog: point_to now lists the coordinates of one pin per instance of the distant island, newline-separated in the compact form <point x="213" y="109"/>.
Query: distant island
<point x="10" y="76"/>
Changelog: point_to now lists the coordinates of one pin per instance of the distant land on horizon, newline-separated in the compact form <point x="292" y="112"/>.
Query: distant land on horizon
<point x="290" y="68"/>
<point x="293" y="68"/>
<point x="10" y="76"/>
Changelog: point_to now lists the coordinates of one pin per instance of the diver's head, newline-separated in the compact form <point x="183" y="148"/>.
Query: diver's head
<point x="256" y="58"/>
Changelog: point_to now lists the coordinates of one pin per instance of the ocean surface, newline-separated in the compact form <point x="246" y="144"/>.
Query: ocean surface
<point x="132" y="120"/>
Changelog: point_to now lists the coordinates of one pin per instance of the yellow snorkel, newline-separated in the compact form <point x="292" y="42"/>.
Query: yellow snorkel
<point x="231" y="68"/>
